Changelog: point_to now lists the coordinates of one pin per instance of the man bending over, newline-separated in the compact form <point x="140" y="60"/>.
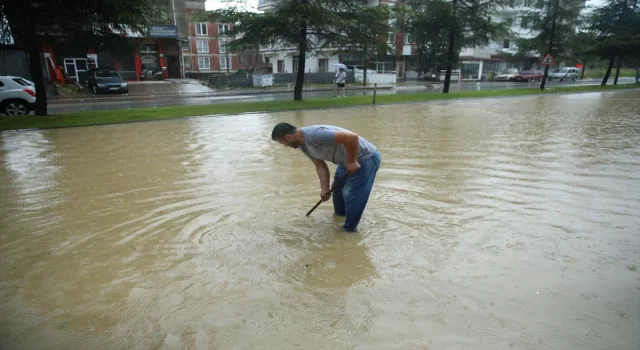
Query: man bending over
<point x="350" y="152"/>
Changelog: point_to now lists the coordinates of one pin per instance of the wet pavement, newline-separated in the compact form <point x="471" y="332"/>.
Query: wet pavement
<point x="162" y="94"/>
<point x="491" y="225"/>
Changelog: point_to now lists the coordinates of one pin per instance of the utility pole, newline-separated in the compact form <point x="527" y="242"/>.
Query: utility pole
<point x="452" y="37"/>
<point x="553" y="30"/>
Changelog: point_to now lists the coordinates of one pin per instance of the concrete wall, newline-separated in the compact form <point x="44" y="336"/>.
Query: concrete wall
<point x="311" y="63"/>
<point x="376" y="78"/>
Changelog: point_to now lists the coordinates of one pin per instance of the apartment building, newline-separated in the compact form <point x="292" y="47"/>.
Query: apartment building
<point x="206" y="51"/>
<point x="480" y="63"/>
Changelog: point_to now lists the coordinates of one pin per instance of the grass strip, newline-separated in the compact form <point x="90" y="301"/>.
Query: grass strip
<point x="147" y="114"/>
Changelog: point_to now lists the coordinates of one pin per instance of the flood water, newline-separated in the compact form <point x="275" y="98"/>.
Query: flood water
<point x="493" y="224"/>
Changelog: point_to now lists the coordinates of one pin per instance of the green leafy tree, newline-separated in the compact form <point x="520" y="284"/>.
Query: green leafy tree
<point x="429" y="24"/>
<point x="552" y="27"/>
<point x="308" y="26"/>
<point x="31" y="24"/>
<point x="616" y="27"/>
<point x="442" y="28"/>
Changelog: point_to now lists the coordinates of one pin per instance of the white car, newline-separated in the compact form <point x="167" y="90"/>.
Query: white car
<point x="509" y="74"/>
<point x="564" y="73"/>
<point x="17" y="95"/>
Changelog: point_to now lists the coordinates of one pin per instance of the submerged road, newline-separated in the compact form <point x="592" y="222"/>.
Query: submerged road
<point x="490" y="226"/>
<point x="110" y="102"/>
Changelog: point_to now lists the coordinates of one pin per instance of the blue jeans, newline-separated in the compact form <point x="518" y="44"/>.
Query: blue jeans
<point x="350" y="198"/>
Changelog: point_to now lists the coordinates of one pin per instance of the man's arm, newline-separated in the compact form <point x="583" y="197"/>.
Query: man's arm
<point x="323" y="174"/>
<point x="351" y="143"/>
<point x="350" y="140"/>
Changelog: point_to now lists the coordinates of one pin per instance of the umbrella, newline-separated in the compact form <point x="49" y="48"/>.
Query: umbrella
<point x="339" y="65"/>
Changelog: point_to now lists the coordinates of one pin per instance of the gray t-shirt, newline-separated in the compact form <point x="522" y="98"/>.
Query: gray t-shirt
<point x="319" y="144"/>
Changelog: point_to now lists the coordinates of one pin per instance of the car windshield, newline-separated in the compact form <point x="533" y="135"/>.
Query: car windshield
<point x="106" y="74"/>
<point x="563" y="70"/>
<point x="527" y="73"/>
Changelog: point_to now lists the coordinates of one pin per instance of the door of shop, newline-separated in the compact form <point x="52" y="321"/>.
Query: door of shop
<point x="76" y="68"/>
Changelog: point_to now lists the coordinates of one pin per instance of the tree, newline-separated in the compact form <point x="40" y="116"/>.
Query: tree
<point x="552" y="27"/>
<point x="31" y="24"/>
<point x="442" y="28"/>
<point x="424" y="20"/>
<point x="306" y="26"/>
<point x="616" y="27"/>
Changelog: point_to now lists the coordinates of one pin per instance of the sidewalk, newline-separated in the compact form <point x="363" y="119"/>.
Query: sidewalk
<point x="184" y="88"/>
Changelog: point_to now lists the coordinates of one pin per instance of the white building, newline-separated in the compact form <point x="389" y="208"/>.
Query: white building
<point x="479" y="62"/>
<point x="285" y="59"/>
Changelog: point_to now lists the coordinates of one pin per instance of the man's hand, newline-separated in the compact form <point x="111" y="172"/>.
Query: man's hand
<point x="325" y="195"/>
<point x="353" y="167"/>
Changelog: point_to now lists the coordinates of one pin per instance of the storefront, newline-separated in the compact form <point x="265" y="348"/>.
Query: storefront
<point x="158" y="53"/>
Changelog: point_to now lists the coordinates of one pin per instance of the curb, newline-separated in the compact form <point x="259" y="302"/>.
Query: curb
<point x="93" y="98"/>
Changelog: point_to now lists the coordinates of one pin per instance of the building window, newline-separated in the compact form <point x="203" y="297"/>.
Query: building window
<point x="505" y="44"/>
<point x="407" y="39"/>
<point x="323" y="65"/>
<point x="223" y="29"/>
<point x="204" y="63"/>
<point x="222" y="44"/>
<point x="186" y="45"/>
<point x="201" y="29"/>
<point x="391" y="38"/>
<point x="280" y="66"/>
<point x="203" y="46"/>
<point x="295" y="63"/>
<point x="225" y="62"/>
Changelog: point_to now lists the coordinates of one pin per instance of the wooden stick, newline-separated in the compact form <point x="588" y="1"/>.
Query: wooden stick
<point x="344" y="178"/>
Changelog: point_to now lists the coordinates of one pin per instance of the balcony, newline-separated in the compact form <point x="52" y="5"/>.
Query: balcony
<point x="266" y="5"/>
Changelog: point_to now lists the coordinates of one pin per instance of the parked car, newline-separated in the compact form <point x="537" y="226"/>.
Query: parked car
<point x="17" y="95"/>
<point x="106" y="80"/>
<point x="507" y="75"/>
<point x="564" y="73"/>
<point x="529" y="75"/>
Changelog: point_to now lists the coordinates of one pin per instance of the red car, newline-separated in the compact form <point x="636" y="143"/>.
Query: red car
<point x="528" y="75"/>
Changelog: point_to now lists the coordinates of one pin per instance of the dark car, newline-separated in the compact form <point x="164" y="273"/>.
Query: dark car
<point x="106" y="80"/>
<point x="528" y="75"/>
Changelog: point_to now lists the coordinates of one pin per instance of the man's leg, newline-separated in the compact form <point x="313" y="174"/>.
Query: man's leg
<point x="356" y="191"/>
<point x="336" y="195"/>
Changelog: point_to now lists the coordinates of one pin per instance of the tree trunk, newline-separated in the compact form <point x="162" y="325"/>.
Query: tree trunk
<point x="608" y="73"/>
<point x="365" y="63"/>
<point x="615" y="80"/>
<point x="553" y="30"/>
<point x="297" y="91"/>
<point x="35" y="62"/>
<point x="452" y="37"/>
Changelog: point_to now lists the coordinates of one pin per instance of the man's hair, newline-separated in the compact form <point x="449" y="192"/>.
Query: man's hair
<point x="282" y="129"/>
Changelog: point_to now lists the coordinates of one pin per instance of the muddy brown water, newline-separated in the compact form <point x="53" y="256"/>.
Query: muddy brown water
<point x="493" y="224"/>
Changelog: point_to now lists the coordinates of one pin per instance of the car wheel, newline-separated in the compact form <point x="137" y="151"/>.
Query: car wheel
<point x="15" y="107"/>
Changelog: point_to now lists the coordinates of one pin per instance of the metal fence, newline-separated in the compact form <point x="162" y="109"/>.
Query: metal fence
<point x="279" y="79"/>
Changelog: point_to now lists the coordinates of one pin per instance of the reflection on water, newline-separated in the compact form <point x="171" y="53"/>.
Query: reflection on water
<point x="497" y="223"/>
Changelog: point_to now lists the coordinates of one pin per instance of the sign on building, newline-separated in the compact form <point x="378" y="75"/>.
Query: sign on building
<point x="164" y="31"/>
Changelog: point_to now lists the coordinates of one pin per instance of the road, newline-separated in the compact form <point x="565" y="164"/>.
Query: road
<point x="127" y="102"/>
